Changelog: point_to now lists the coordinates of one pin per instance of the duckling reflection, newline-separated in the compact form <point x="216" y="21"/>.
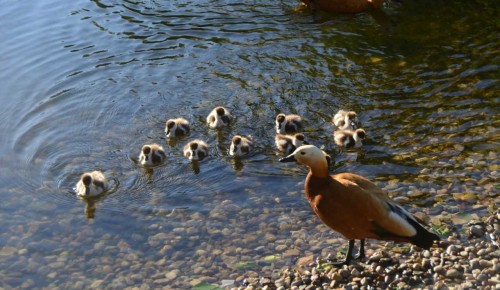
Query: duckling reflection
<point x="196" y="150"/>
<point x="286" y="124"/>
<point x="90" y="207"/>
<point x="240" y="146"/>
<point x="91" y="184"/>
<point x="349" y="138"/>
<point x="176" y="127"/>
<point x="219" y="117"/>
<point x="345" y="120"/>
<point x="288" y="144"/>
<point x="152" y="154"/>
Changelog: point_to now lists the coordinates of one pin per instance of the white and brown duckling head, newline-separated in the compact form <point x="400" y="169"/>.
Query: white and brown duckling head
<point x="240" y="146"/>
<point x="196" y="150"/>
<point x="287" y="143"/>
<point x="176" y="127"/>
<point x="346" y="120"/>
<point x="286" y="124"/>
<point x="152" y="154"/>
<point x="91" y="184"/>
<point x="349" y="138"/>
<point x="219" y="117"/>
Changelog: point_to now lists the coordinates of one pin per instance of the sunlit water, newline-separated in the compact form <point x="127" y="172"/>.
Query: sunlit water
<point x="84" y="84"/>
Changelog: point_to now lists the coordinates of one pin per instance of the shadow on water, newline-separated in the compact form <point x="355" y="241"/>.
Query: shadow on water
<point x="85" y="88"/>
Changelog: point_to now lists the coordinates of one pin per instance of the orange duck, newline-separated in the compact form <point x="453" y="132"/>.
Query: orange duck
<point x="344" y="6"/>
<point x="355" y="207"/>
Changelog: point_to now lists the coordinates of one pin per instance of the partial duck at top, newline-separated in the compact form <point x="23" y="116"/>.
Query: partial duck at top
<point x="344" y="6"/>
<point x="355" y="207"/>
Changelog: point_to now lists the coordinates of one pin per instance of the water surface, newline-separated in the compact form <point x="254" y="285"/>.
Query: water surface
<point x="86" y="83"/>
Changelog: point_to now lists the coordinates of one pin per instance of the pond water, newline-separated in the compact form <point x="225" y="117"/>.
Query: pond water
<point x="84" y="84"/>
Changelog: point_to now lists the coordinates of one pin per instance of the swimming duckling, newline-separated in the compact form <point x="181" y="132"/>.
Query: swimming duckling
<point x="349" y="139"/>
<point x="91" y="184"/>
<point x="196" y="150"/>
<point x="219" y="117"/>
<point x="152" y="154"/>
<point x="344" y="120"/>
<point x="288" y="144"/>
<point x="176" y="127"/>
<point x="240" y="146"/>
<point x="286" y="124"/>
<point x="355" y="207"/>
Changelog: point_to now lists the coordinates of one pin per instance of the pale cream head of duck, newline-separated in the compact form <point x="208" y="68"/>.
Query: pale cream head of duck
<point x="346" y="120"/>
<point x="286" y="124"/>
<point x="176" y="127"/>
<point x="91" y="184"/>
<point x="152" y="154"/>
<point x="240" y="146"/>
<point x="219" y="117"/>
<point x="196" y="150"/>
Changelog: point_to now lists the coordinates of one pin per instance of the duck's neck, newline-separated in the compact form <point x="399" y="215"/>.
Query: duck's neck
<point x="319" y="170"/>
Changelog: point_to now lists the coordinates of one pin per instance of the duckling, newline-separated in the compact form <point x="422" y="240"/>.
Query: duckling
<point x="355" y="207"/>
<point x="91" y="184"/>
<point x="240" y="146"/>
<point x="288" y="144"/>
<point x="288" y="123"/>
<point x="219" y="117"/>
<point x="196" y="150"/>
<point x="176" y="127"/>
<point x="152" y="154"/>
<point x="349" y="139"/>
<point x="344" y="120"/>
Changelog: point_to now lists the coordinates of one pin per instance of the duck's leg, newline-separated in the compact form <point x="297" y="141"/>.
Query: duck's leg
<point x="361" y="255"/>
<point x="347" y="258"/>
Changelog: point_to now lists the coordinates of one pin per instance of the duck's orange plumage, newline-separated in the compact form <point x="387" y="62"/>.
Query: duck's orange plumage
<point x="354" y="206"/>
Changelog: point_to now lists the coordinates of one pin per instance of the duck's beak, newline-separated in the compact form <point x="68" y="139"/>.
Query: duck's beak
<point x="289" y="158"/>
<point x="305" y="143"/>
<point x="87" y="190"/>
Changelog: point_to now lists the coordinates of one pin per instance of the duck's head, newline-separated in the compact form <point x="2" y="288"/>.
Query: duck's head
<point x="311" y="156"/>
<point x="236" y="140"/>
<point x="220" y="111"/>
<point x="280" y="118"/>
<point x="170" y="127"/>
<point x="360" y="133"/>
<point x="146" y="150"/>
<point x="87" y="180"/>
<point x="299" y="139"/>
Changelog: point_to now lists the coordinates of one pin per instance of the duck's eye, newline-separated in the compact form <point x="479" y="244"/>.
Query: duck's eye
<point x="302" y="153"/>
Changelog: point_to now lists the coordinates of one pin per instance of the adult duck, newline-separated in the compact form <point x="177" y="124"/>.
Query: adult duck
<point x="344" y="6"/>
<point x="355" y="207"/>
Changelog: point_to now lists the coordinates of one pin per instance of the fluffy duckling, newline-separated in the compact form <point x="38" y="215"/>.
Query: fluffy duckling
<point x="196" y="150"/>
<point x="240" y="146"/>
<point x="349" y="138"/>
<point x="286" y="124"/>
<point x="288" y="144"/>
<point x="219" y="117"/>
<point x="176" y="127"/>
<point x="344" y="120"/>
<point x="91" y="184"/>
<point x="152" y="154"/>
<point x="355" y="207"/>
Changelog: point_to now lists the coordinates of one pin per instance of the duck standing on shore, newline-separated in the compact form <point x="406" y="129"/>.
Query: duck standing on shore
<point x="355" y="207"/>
